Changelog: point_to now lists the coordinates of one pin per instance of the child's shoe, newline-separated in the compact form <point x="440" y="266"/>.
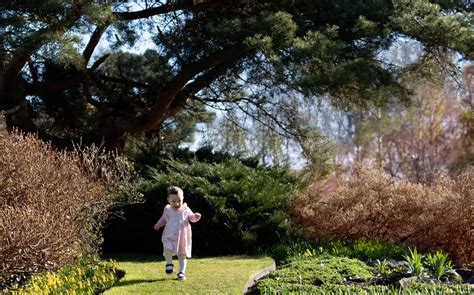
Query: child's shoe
<point x="181" y="276"/>
<point x="169" y="269"/>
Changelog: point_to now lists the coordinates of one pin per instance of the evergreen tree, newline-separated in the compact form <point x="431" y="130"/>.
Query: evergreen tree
<point x="55" y="80"/>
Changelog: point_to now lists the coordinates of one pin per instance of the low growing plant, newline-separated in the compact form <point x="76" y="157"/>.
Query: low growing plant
<point x="361" y="249"/>
<point x="439" y="264"/>
<point x="437" y="289"/>
<point x="290" y="250"/>
<point x="382" y="267"/>
<point x="376" y="249"/>
<point x="415" y="262"/>
<point x="319" y="270"/>
<point x="365" y="290"/>
<point x="88" y="276"/>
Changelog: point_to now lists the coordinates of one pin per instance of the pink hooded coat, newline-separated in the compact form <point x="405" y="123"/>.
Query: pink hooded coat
<point x="177" y="235"/>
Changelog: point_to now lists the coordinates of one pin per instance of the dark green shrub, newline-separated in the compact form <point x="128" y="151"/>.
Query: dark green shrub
<point x="244" y="206"/>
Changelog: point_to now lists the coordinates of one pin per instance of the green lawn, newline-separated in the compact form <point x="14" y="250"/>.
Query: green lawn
<point x="219" y="275"/>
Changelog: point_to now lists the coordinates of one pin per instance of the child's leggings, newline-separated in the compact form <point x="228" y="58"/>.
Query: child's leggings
<point x="169" y="260"/>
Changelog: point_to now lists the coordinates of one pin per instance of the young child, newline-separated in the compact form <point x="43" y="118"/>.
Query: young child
<point x="176" y="236"/>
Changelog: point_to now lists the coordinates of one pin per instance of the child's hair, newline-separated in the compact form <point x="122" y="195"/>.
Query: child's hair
<point x="174" y="190"/>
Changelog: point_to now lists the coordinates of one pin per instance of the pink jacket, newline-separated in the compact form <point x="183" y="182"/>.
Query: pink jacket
<point x="177" y="235"/>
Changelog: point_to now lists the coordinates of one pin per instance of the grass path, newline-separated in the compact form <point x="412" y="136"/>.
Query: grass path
<point x="218" y="275"/>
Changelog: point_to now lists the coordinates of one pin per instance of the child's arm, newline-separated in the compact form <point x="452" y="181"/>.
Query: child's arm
<point x="161" y="222"/>
<point x="193" y="217"/>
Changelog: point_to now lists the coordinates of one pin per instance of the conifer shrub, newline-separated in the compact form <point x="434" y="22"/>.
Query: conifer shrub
<point x="52" y="203"/>
<point x="244" y="206"/>
<point x="374" y="206"/>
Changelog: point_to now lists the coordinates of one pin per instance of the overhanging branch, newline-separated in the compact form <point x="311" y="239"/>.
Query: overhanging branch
<point x="94" y="40"/>
<point x="173" y="88"/>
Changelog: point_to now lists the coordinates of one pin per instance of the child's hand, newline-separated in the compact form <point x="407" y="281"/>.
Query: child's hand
<point x="156" y="227"/>
<point x="195" y="217"/>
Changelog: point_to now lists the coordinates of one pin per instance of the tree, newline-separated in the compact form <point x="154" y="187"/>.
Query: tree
<point x="417" y="142"/>
<point x="55" y="81"/>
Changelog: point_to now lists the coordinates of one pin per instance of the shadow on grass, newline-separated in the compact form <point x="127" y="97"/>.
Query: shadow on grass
<point x="133" y="257"/>
<point x="136" y="282"/>
<point x="157" y="257"/>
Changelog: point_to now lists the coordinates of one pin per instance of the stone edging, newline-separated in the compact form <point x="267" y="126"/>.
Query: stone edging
<point x="257" y="276"/>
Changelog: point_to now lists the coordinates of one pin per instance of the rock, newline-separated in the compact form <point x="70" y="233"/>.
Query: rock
<point x="467" y="275"/>
<point x="255" y="277"/>
<point x="405" y="282"/>
<point x="394" y="264"/>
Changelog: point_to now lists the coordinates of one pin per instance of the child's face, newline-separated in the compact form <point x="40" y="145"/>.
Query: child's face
<point x="175" y="201"/>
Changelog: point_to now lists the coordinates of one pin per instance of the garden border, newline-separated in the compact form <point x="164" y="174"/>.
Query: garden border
<point x="257" y="276"/>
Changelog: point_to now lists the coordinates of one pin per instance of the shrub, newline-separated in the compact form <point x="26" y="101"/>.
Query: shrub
<point x="51" y="203"/>
<point x="244" y="207"/>
<point x="374" y="206"/>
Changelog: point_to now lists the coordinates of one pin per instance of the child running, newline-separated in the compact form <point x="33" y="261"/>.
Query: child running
<point x="176" y="238"/>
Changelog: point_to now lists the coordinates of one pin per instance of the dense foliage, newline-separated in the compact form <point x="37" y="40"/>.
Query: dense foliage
<point x="369" y="204"/>
<point x="52" y="203"/>
<point x="252" y="54"/>
<point x="244" y="205"/>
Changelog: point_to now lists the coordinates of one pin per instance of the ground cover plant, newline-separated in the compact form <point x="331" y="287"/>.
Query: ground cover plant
<point x="52" y="203"/>
<point x="322" y="268"/>
<point x="218" y="275"/>
<point x="360" y="249"/>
